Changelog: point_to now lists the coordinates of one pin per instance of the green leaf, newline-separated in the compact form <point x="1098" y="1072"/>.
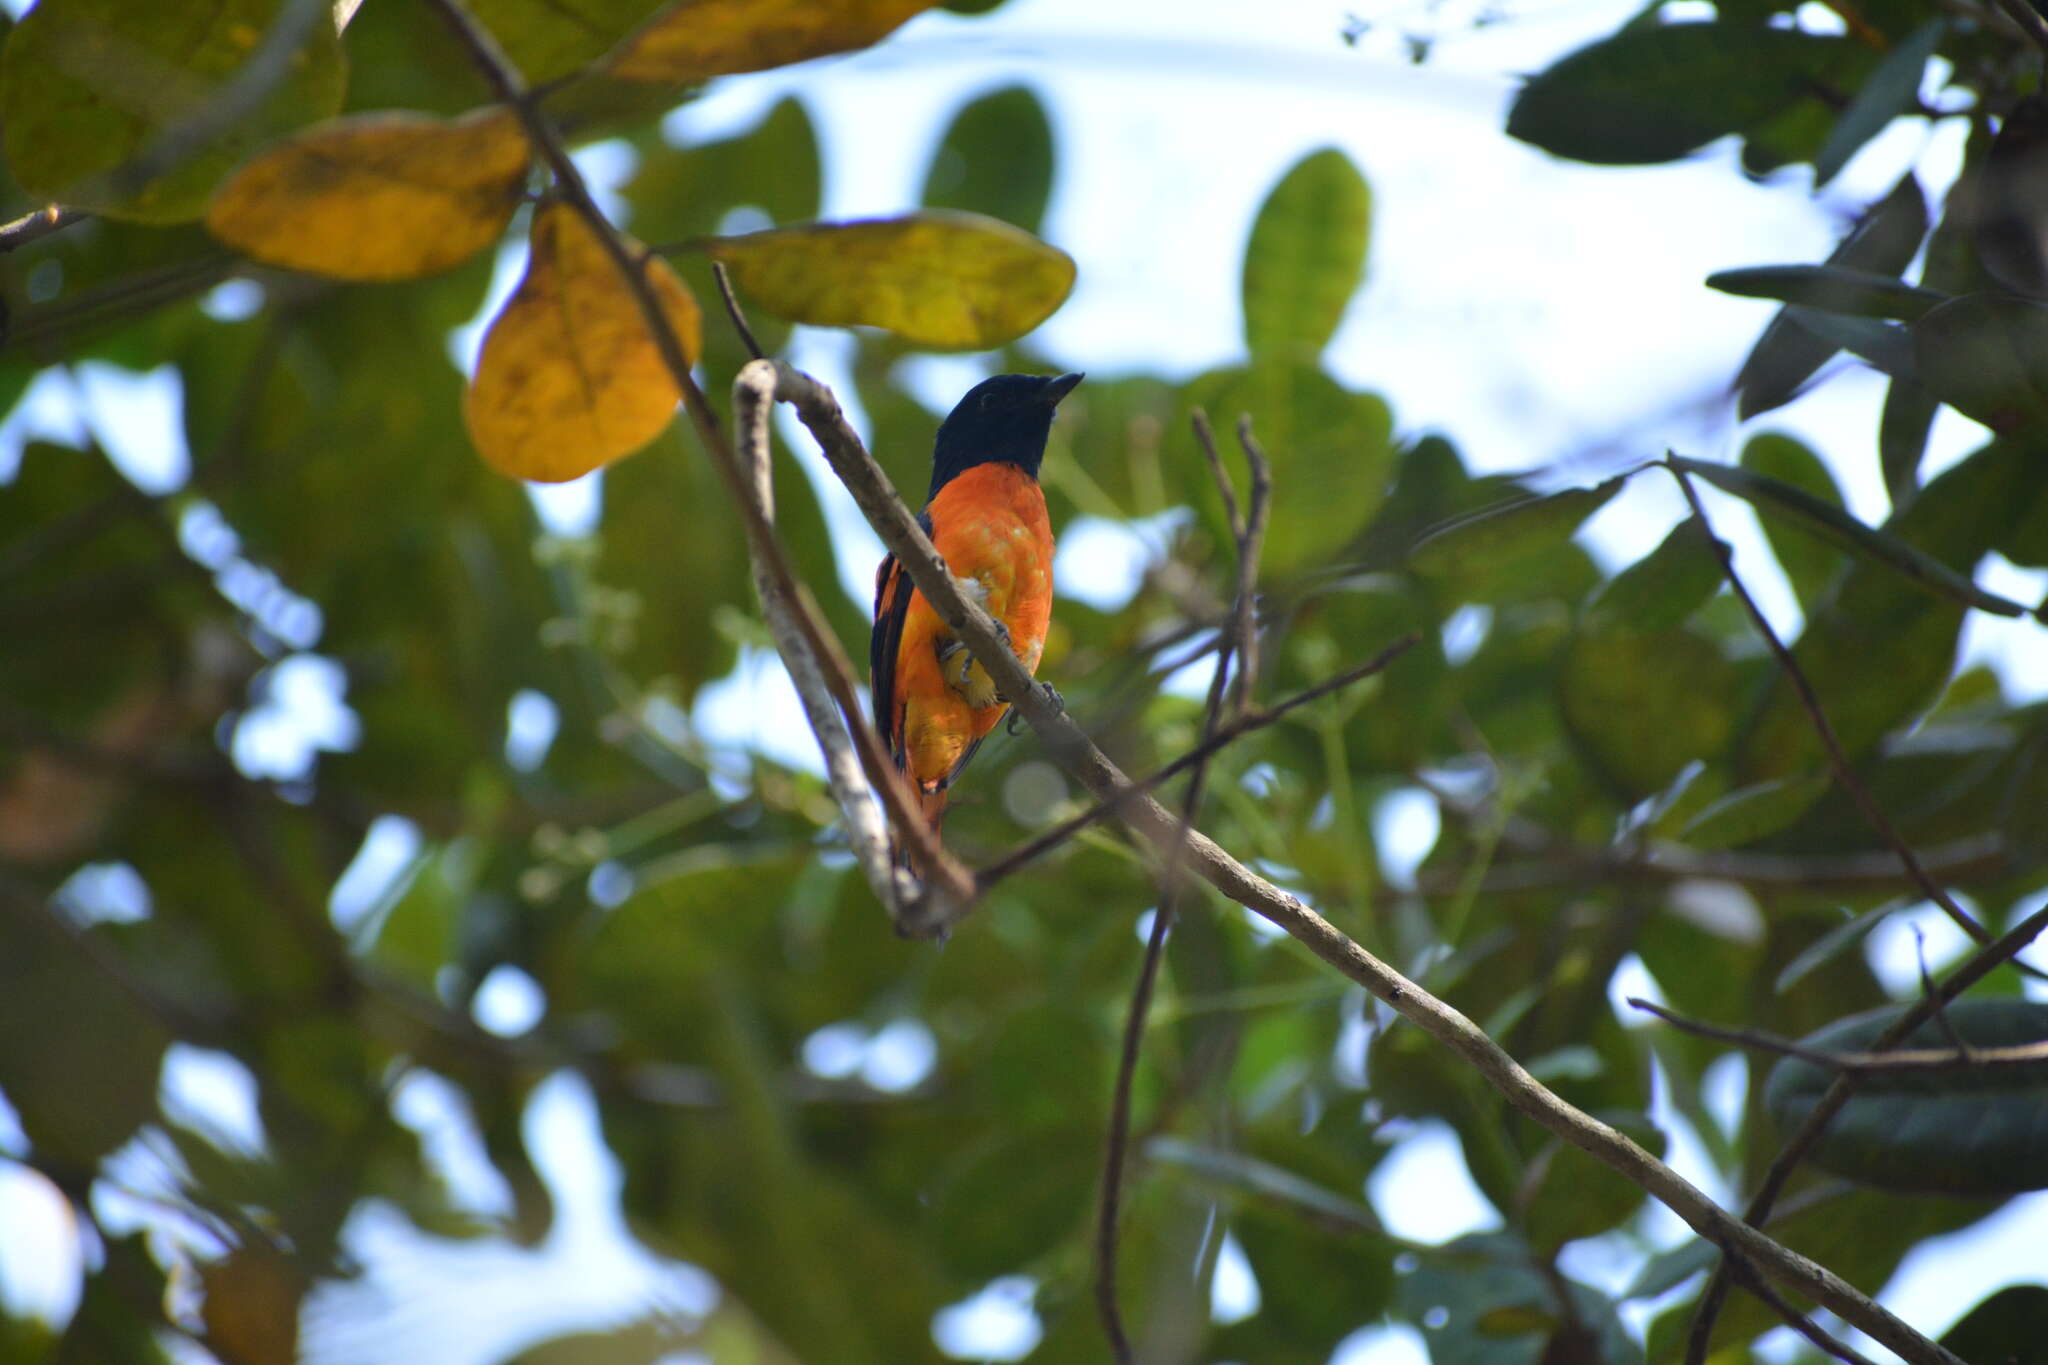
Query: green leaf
<point x="1787" y="354"/>
<point x="1902" y="431"/>
<point x="1835" y="524"/>
<point x="1247" y="1174"/>
<point x="1570" y="1194"/>
<point x="1753" y="812"/>
<point x="1885" y="346"/>
<point x="1662" y="588"/>
<point x="1305" y="258"/>
<point x="1485" y="1300"/>
<point x="1320" y="437"/>
<point x="1641" y="705"/>
<point x="1968" y="1131"/>
<point x="80" y="1057"/>
<point x="1830" y="945"/>
<point x="1011" y="1198"/>
<point x="1811" y="563"/>
<point x="1830" y="288"/>
<point x="1892" y="89"/>
<point x="1984" y="355"/>
<point x="2004" y="1329"/>
<point x="2010" y="216"/>
<point x="94" y="93"/>
<point x="995" y="158"/>
<point x="1496" y="539"/>
<point x="547" y="38"/>
<point x="942" y="279"/>
<point x="1654" y="92"/>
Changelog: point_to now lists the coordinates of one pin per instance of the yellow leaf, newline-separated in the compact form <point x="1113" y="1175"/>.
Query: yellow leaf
<point x="569" y="378"/>
<point x="694" y="40"/>
<point x="387" y="196"/>
<point x="957" y="281"/>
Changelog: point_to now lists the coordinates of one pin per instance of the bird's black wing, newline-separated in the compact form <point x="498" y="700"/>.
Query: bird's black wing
<point x="892" y="606"/>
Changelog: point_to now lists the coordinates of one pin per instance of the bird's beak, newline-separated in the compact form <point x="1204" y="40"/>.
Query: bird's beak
<point x="1056" y="389"/>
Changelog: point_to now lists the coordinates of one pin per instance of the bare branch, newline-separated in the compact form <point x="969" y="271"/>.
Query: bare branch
<point x="1205" y="439"/>
<point x="1796" y="1320"/>
<point x="1902" y="1059"/>
<point x="1716" y="1293"/>
<point x="948" y="887"/>
<point x="36" y="224"/>
<point x="1980" y="964"/>
<point x="2028" y="19"/>
<point x="1073" y="749"/>
<point x="733" y="310"/>
<point x="1245" y="626"/>
<point x="1223" y="738"/>
<point x="753" y="395"/>
<point x="1154" y="823"/>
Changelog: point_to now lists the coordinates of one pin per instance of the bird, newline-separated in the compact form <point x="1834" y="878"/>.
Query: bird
<point x="985" y="513"/>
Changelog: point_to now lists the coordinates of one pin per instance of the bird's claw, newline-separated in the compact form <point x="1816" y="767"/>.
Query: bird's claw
<point x="1052" y="696"/>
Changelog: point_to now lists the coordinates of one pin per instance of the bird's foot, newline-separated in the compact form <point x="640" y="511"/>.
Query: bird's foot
<point x="1051" y="694"/>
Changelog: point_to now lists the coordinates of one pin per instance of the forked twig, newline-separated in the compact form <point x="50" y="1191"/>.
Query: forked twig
<point x="1073" y="749"/>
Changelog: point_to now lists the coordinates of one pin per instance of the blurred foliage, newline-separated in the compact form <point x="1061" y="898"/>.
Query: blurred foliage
<point x="1621" y="772"/>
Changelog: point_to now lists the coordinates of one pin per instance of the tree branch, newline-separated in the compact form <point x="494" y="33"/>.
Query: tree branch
<point x="1154" y="823"/>
<point x="1077" y="753"/>
<point x="1716" y="1291"/>
<point x="948" y="888"/>
<point x="36" y="224"/>
<point x="753" y="396"/>
<point x="1919" y="1059"/>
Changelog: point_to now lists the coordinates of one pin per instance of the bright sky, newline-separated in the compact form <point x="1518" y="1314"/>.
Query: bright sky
<point x="1546" y="316"/>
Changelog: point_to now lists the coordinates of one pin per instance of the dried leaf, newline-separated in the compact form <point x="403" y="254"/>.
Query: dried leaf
<point x="694" y="40"/>
<point x="385" y="196"/>
<point x="569" y="378"/>
<point x="957" y="281"/>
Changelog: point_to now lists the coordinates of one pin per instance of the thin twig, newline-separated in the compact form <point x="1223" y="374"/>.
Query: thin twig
<point x="1838" y="760"/>
<point x="2029" y="20"/>
<point x="36" y="224"/>
<point x="734" y="312"/>
<point x="1245" y="625"/>
<point x="1979" y="965"/>
<point x="1717" y="1287"/>
<point x="753" y="395"/>
<point x="1205" y="438"/>
<point x="1229" y="734"/>
<point x="1796" y="1320"/>
<point x="948" y="883"/>
<point x="1948" y="1029"/>
<point x="1901" y="1059"/>
<point x="1074" y="751"/>
<point x="1249" y="530"/>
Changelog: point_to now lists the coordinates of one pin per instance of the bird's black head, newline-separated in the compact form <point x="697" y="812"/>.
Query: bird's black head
<point x="1003" y="420"/>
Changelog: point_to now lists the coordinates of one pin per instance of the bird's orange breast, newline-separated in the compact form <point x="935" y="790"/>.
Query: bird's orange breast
<point x="990" y="525"/>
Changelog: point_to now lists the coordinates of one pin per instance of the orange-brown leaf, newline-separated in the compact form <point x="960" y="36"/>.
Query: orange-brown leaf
<point x="569" y="378"/>
<point x="694" y="40"/>
<point x="385" y="196"/>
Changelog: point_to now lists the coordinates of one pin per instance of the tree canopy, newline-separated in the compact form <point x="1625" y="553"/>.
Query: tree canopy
<point x="288" y="207"/>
